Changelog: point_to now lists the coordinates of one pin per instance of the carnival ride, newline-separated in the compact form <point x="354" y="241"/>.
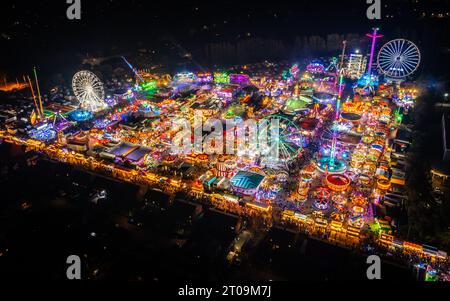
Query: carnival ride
<point x="315" y="67"/>
<point x="285" y="144"/>
<point x="44" y="132"/>
<point x="80" y="115"/>
<point x="330" y="163"/>
<point x="339" y="202"/>
<point x="369" y="81"/>
<point x="337" y="182"/>
<point x="89" y="91"/>
<point x="399" y="58"/>
<point x="322" y="197"/>
<point x="323" y="98"/>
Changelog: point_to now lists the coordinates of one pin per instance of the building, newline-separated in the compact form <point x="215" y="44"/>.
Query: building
<point x="246" y="182"/>
<point x="126" y="152"/>
<point x="356" y="65"/>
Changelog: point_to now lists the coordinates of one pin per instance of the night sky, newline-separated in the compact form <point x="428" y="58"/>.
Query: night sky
<point x="38" y="32"/>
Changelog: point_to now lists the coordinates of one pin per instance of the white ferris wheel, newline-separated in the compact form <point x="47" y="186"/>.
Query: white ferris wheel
<point x="89" y="91"/>
<point x="399" y="58"/>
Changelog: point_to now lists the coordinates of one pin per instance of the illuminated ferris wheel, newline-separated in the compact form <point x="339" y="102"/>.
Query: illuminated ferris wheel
<point x="288" y="142"/>
<point x="89" y="91"/>
<point x="399" y="58"/>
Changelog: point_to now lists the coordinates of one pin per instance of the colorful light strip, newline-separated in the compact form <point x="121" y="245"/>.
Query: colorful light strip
<point x="338" y="114"/>
<point x="374" y="37"/>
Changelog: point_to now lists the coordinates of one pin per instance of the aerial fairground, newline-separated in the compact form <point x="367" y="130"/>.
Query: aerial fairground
<point x="234" y="142"/>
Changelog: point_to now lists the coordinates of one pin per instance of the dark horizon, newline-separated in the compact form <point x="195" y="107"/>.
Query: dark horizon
<point x="39" y="34"/>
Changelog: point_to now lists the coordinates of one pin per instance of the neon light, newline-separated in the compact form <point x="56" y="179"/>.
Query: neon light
<point x="80" y="115"/>
<point x="221" y="78"/>
<point x="241" y="79"/>
<point x="185" y="77"/>
<point x="398" y="116"/>
<point x="374" y="37"/>
<point x="204" y="77"/>
<point x="338" y="114"/>
<point x="150" y="85"/>
<point x="315" y="67"/>
<point x="133" y="69"/>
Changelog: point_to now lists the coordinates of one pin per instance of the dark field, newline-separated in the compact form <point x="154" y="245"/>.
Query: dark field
<point x="135" y="234"/>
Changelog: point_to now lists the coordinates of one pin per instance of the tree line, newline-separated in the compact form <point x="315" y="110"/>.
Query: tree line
<point x="256" y="49"/>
